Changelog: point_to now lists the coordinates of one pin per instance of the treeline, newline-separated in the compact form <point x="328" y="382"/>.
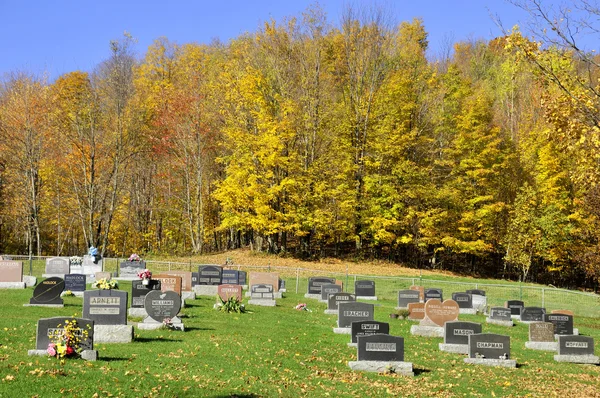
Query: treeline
<point x="313" y="139"/>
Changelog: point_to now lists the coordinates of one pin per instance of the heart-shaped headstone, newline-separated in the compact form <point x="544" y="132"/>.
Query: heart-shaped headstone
<point x="160" y="305"/>
<point x="438" y="313"/>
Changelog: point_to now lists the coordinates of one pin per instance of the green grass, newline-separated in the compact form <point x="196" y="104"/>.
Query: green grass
<point x="270" y="352"/>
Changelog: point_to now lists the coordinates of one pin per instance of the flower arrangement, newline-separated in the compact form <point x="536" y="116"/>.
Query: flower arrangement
<point x="134" y="257"/>
<point x="105" y="284"/>
<point x="67" y="343"/>
<point x="75" y="260"/>
<point x="145" y="274"/>
<point x="302" y="307"/>
<point x="68" y="293"/>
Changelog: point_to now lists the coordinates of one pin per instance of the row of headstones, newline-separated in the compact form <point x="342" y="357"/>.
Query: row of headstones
<point x="472" y="299"/>
<point x="319" y="287"/>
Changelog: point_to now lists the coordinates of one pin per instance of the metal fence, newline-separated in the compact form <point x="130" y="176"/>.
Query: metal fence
<point x="387" y="287"/>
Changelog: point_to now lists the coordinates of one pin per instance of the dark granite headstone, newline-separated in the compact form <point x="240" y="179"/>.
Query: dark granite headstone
<point x="195" y="277"/>
<point x="139" y="291"/>
<point x="515" y="306"/>
<point x="261" y="292"/>
<point x="130" y="269"/>
<point x="464" y="300"/>
<point x="281" y="284"/>
<point x="209" y="275"/>
<point x="326" y="290"/>
<point x="48" y="292"/>
<point x="381" y="347"/>
<point x="364" y="288"/>
<point x="563" y="324"/>
<point x="242" y="277"/>
<point x="500" y="313"/>
<point x="315" y="283"/>
<point x="49" y="330"/>
<point x="160" y="305"/>
<point x="57" y="265"/>
<point x="349" y="312"/>
<point x="458" y="332"/>
<point x="489" y="345"/>
<point x="575" y="345"/>
<point x="336" y="298"/>
<point x="433" y="294"/>
<point x="406" y="297"/>
<point x="476" y="291"/>
<point x="75" y="282"/>
<point x="230" y="277"/>
<point x="532" y="314"/>
<point x="105" y="307"/>
<point x="365" y="328"/>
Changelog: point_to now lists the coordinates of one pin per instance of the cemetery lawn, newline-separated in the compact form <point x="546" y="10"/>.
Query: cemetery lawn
<point x="271" y="352"/>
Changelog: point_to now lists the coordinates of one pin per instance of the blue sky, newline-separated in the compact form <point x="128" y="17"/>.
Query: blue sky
<point x="59" y="36"/>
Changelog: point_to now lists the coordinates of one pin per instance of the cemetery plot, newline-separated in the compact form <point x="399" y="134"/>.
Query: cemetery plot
<point x="48" y="292"/>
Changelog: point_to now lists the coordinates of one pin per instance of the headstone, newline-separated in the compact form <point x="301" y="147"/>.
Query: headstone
<point x="186" y="279"/>
<point x="48" y="329"/>
<point x="421" y="291"/>
<point x="282" y="285"/>
<point x="261" y="292"/>
<point x="226" y="291"/>
<point x="501" y="314"/>
<point x="381" y="347"/>
<point x="57" y="266"/>
<point x="162" y="305"/>
<point x="102" y="275"/>
<point x="48" y="292"/>
<point x="515" y="306"/>
<point x="407" y="296"/>
<point x="11" y="271"/>
<point x="438" y="313"/>
<point x="563" y="324"/>
<point x="458" y="332"/>
<point x="265" y="278"/>
<point x="335" y="299"/>
<point x="105" y="307"/>
<point x="326" y="290"/>
<point x="315" y="283"/>
<point x="75" y="282"/>
<point x="242" y="277"/>
<point x="576" y="349"/>
<point x="195" y="278"/>
<point x="532" y="314"/>
<point x="478" y="292"/>
<point x="416" y="311"/>
<point x="489" y="346"/>
<point x="209" y="274"/>
<point x="364" y="288"/>
<point x="89" y="267"/>
<point x="169" y="283"/>
<point x="433" y="294"/>
<point x="464" y="300"/>
<point x="230" y="277"/>
<point x="130" y="269"/>
<point x="365" y="328"/>
<point x="541" y="332"/>
<point x="565" y="312"/>
<point x="139" y="291"/>
<point x="349" y="312"/>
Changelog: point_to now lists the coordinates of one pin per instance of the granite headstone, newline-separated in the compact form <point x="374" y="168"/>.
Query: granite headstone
<point x="105" y="307"/>
<point x="48" y="292"/>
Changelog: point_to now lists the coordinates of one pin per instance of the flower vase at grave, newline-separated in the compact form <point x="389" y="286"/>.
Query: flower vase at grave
<point x="145" y="281"/>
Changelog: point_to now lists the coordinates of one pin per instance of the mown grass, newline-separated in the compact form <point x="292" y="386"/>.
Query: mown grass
<point x="270" y="352"/>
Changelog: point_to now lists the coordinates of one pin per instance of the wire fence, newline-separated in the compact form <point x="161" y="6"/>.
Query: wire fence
<point x="387" y="287"/>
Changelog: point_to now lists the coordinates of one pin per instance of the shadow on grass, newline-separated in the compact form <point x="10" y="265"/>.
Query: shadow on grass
<point x="419" y="372"/>
<point x="112" y="359"/>
<point x="156" y="340"/>
<point x="237" y="396"/>
<point x="190" y="328"/>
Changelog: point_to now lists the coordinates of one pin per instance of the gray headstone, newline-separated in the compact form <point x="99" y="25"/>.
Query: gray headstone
<point x="315" y="283"/>
<point x="464" y="300"/>
<point x="160" y="305"/>
<point x="195" y="278"/>
<point x="57" y="265"/>
<point x="541" y="332"/>
<point x="261" y="292"/>
<point x="575" y="345"/>
<point x="563" y="324"/>
<point x="105" y="307"/>
<point x="349" y="312"/>
<point x="139" y="291"/>
<point x="130" y="269"/>
<point x="230" y="277"/>
<point x="52" y="328"/>
<point x="434" y="294"/>
<point x="478" y="292"/>
<point x="380" y="347"/>
<point x="336" y="298"/>
<point x="489" y="345"/>
<point x="365" y="328"/>
<point x="326" y="290"/>
<point x="515" y="306"/>
<point x="209" y="275"/>
<point x="364" y="288"/>
<point x="406" y="297"/>
<point x="75" y="282"/>
<point x="48" y="292"/>
<point x="242" y="277"/>
<point x="532" y="314"/>
<point x="501" y="313"/>
<point x="458" y="332"/>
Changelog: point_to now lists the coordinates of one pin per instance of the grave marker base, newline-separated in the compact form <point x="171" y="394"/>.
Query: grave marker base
<point x="469" y="311"/>
<point x="353" y="345"/>
<point x="76" y="294"/>
<point x="263" y="302"/>
<point x="589" y="359"/>
<point x="455" y="348"/>
<point x="500" y="323"/>
<point x="402" y="368"/>
<point x="427" y="331"/>
<point x="276" y="295"/>
<point x="504" y="363"/>
<point x="86" y="355"/>
<point x="151" y="324"/>
<point x="331" y="312"/>
<point x="46" y="276"/>
<point x="542" y="345"/>
<point x="342" y="330"/>
<point x="113" y="333"/>
<point x="137" y="312"/>
<point x="373" y="298"/>
<point x="45" y="305"/>
<point x="313" y="296"/>
<point x="575" y="333"/>
<point x="12" y="285"/>
<point x="188" y="296"/>
<point x="206" y="290"/>
<point x="29" y="280"/>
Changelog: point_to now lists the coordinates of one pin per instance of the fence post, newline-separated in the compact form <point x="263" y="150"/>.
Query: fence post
<point x="169" y="266"/>
<point x="520" y="290"/>
<point x="297" y="278"/>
